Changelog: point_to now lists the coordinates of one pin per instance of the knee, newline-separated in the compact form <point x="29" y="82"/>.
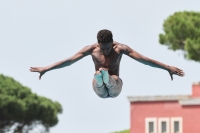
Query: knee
<point x="103" y="95"/>
<point x="115" y="77"/>
<point x="114" y="95"/>
<point x="101" y="92"/>
<point x="115" y="92"/>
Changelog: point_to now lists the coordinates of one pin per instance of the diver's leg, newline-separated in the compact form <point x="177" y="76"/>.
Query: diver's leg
<point x="112" y="82"/>
<point x="99" y="86"/>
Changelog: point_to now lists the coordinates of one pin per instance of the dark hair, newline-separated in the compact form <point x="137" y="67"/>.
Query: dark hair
<point x="104" y="36"/>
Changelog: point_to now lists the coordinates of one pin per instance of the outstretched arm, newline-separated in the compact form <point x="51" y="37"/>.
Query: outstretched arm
<point x="147" y="61"/>
<point x="63" y="63"/>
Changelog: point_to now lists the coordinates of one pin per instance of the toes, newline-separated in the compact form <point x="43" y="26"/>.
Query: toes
<point x="97" y="73"/>
<point x="103" y="69"/>
<point x="105" y="75"/>
<point x="100" y="69"/>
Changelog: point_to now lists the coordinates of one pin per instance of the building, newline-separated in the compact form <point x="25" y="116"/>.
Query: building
<point x="166" y="114"/>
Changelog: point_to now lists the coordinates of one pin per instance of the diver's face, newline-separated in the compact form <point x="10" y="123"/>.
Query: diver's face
<point x="106" y="47"/>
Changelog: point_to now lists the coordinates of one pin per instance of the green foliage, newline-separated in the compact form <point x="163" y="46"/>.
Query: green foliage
<point x="182" y="32"/>
<point x="19" y="106"/>
<point x="124" y="131"/>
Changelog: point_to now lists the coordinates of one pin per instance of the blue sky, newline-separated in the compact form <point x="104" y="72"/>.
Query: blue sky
<point x="39" y="33"/>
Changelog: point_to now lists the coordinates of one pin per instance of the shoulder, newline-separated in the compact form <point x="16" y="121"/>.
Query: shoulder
<point x="94" y="45"/>
<point x="122" y="48"/>
<point x="89" y="48"/>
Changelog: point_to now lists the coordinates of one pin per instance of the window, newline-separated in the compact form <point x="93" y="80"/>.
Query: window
<point x="176" y="125"/>
<point x="151" y="125"/>
<point x="163" y="125"/>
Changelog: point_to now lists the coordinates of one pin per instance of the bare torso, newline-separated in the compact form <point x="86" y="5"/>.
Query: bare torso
<point x="110" y="62"/>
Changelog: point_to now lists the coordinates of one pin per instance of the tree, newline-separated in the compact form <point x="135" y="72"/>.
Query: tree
<point x="124" y="131"/>
<point x="182" y="32"/>
<point x="23" y="110"/>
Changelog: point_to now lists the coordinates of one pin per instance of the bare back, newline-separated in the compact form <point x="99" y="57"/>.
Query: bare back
<point x="110" y="62"/>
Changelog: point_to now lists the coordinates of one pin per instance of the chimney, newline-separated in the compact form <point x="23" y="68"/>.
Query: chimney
<point x="196" y="89"/>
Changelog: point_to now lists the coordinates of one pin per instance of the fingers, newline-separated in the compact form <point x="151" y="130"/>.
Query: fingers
<point x="180" y="72"/>
<point x="33" y="69"/>
<point x="40" y="75"/>
<point x="176" y="71"/>
<point x="36" y="69"/>
<point x="171" y="76"/>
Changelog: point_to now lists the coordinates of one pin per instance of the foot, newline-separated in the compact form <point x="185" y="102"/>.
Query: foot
<point x="98" y="77"/>
<point x="105" y="75"/>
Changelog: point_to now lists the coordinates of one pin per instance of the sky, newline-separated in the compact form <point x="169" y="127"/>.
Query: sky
<point x="40" y="33"/>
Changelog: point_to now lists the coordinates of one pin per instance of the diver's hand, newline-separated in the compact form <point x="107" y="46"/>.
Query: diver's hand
<point x="41" y="70"/>
<point x="174" y="70"/>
